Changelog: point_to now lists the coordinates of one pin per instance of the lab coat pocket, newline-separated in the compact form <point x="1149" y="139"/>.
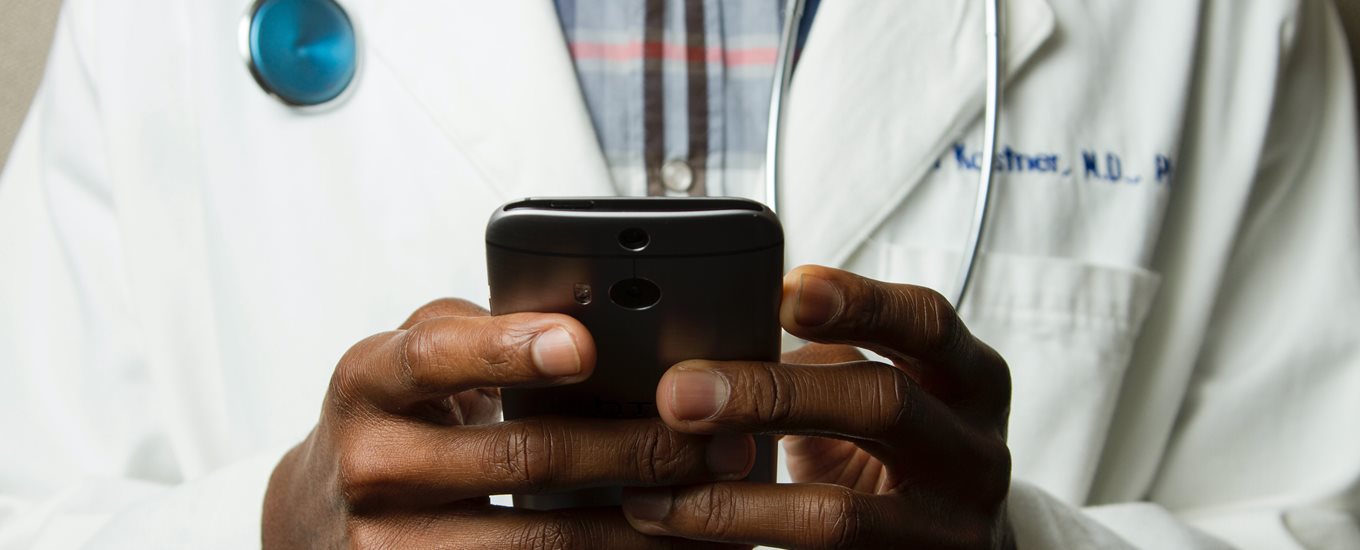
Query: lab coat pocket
<point x="1065" y="327"/>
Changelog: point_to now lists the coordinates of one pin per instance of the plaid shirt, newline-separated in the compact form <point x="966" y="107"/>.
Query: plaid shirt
<point x="678" y="90"/>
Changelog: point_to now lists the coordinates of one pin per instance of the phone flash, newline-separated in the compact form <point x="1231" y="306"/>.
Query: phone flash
<point x="582" y="293"/>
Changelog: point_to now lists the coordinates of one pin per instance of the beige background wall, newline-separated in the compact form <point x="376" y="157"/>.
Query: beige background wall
<point x="26" y="30"/>
<point x="1350" y="18"/>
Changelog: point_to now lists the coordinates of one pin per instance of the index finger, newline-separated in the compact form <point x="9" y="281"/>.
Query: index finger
<point x="915" y="327"/>
<point x="442" y="356"/>
<point x="444" y="307"/>
<point x="784" y="516"/>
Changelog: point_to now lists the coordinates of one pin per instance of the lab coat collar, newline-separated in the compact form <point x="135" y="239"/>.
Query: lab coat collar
<point x="882" y="90"/>
<point x="497" y="79"/>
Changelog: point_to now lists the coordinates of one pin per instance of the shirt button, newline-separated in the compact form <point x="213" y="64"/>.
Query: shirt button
<point x="677" y="176"/>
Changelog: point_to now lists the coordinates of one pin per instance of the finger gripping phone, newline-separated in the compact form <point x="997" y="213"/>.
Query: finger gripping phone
<point x="657" y="281"/>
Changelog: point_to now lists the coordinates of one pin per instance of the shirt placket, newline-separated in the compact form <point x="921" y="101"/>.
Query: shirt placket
<point x="677" y="99"/>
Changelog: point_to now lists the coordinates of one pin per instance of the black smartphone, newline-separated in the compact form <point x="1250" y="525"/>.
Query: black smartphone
<point x="656" y="281"/>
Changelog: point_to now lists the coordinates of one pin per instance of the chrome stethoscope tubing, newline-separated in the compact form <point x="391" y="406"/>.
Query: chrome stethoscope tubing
<point x="783" y="73"/>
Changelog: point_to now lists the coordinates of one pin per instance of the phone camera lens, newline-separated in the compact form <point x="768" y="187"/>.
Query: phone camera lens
<point x="635" y="293"/>
<point x="581" y="292"/>
<point x="634" y="239"/>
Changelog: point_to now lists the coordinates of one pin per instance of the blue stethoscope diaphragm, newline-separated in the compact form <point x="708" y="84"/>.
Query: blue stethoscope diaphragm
<point x="304" y="52"/>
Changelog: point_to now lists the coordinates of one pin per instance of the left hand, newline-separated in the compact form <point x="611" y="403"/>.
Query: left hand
<point x="905" y="455"/>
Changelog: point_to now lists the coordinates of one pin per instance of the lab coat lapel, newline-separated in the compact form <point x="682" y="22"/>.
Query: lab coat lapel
<point x="498" y="80"/>
<point x="882" y="89"/>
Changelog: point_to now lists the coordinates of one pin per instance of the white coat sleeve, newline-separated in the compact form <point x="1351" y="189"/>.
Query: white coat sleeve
<point x="80" y="437"/>
<point x="1264" y="453"/>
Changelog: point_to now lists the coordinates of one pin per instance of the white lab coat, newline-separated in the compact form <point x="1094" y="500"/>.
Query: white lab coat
<point x="1172" y="268"/>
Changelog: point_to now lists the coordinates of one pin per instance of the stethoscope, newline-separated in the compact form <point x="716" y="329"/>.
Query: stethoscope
<point x="305" y="53"/>
<point x="774" y="139"/>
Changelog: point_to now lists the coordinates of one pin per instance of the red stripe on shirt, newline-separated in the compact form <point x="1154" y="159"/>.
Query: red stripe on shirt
<point x="672" y="52"/>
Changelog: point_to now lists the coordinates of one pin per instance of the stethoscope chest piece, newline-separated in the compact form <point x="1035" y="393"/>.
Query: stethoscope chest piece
<point x="304" y="52"/>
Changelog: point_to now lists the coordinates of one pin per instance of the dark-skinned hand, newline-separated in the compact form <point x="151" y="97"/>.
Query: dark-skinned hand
<point x="905" y="455"/>
<point x="408" y="445"/>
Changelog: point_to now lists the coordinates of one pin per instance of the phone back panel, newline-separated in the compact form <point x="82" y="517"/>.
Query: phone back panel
<point x="716" y="266"/>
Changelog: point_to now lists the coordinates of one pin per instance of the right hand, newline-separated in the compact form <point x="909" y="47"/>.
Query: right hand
<point x="408" y="446"/>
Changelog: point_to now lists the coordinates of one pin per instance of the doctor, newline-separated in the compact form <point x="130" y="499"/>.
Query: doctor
<point x="1171" y="275"/>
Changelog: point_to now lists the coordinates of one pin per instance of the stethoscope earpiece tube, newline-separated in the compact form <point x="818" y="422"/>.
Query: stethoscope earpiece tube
<point x="783" y="74"/>
<point x="990" y="125"/>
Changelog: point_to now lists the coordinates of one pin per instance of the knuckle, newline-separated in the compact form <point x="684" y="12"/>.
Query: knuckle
<point x="895" y="403"/>
<point x="886" y="310"/>
<point x="360" y="477"/>
<point x="366" y="534"/>
<point x="996" y="478"/>
<point x="866" y="309"/>
<point x="715" y="506"/>
<point x="524" y="453"/>
<point x="446" y="307"/>
<point x="776" y="405"/>
<point x="418" y="349"/>
<point x="658" y="461"/>
<point x="974" y="530"/>
<point x="833" y="521"/>
<point x="1001" y="386"/>
<point x="940" y="328"/>
<point x="432" y="309"/>
<point x="346" y="385"/>
<point x="986" y="469"/>
<point x="554" y="532"/>
<point x="345" y="388"/>
<point x="508" y="342"/>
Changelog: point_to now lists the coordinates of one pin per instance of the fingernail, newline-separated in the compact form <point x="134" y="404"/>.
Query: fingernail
<point x="729" y="454"/>
<point x="555" y="354"/>
<point x="818" y="301"/>
<point x="648" y="504"/>
<point x="696" y="395"/>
